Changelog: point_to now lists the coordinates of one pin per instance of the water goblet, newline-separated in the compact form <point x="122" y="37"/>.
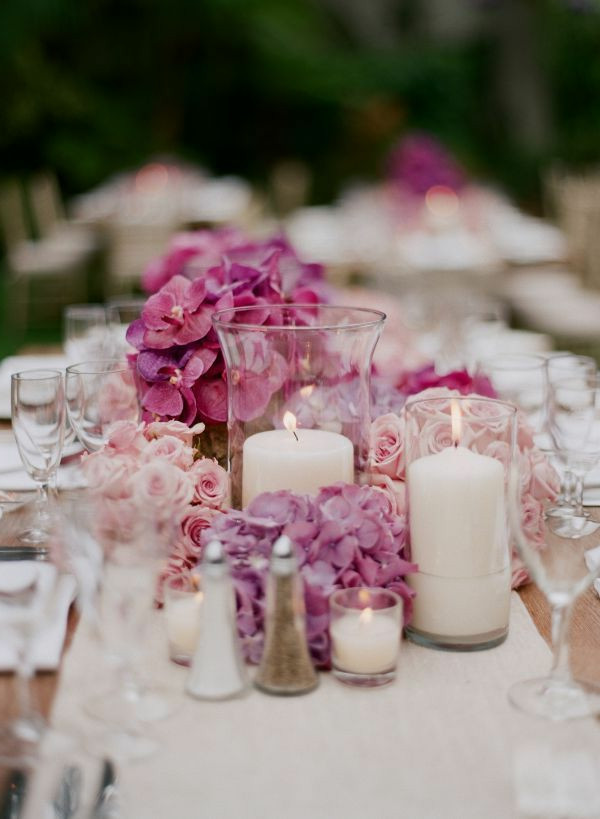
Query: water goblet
<point x="29" y="593"/>
<point x="99" y="393"/>
<point x="86" y="333"/>
<point x="120" y="313"/>
<point x="38" y="420"/>
<point x="520" y="378"/>
<point x="574" y="424"/>
<point x="557" y="565"/>
<point x="560" y="366"/>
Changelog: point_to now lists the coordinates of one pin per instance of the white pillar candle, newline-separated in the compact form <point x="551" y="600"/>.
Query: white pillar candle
<point x="365" y="642"/>
<point x="300" y="460"/>
<point x="458" y="537"/>
<point x="182" y="616"/>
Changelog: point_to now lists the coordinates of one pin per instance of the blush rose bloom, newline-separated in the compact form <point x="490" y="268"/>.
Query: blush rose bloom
<point x="162" y="489"/>
<point x="109" y="476"/>
<point x="126" y="438"/>
<point x="386" y="452"/>
<point x="544" y="481"/>
<point x="395" y="491"/>
<point x="211" y="483"/>
<point x="171" y="449"/>
<point x="176" y="429"/>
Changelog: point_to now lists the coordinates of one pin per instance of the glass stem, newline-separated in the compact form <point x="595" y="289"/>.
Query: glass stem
<point x="578" y="494"/>
<point x="26" y="724"/>
<point x="41" y="504"/>
<point x="561" y="616"/>
<point x="568" y="487"/>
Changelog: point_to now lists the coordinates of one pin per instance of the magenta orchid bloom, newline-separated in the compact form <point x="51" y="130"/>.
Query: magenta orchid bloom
<point x="176" y="314"/>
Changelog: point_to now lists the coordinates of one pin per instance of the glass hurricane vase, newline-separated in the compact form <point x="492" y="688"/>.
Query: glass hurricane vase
<point x="298" y="381"/>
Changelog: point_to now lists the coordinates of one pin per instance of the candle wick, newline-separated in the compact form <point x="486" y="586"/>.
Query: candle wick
<point x="294" y="434"/>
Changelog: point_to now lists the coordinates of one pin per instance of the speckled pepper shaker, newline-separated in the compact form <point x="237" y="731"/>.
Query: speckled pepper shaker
<point x="286" y="666"/>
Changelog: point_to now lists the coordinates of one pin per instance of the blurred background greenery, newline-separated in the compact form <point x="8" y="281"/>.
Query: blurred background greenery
<point x="95" y="87"/>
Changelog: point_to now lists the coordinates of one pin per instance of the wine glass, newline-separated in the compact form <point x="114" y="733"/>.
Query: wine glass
<point x="98" y="394"/>
<point x="560" y="366"/>
<point x="134" y="549"/>
<point x="558" y="566"/>
<point x="521" y="379"/>
<point x="38" y="420"/>
<point x="86" y="333"/>
<point x="120" y="313"/>
<point x="30" y="593"/>
<point x="574" y="424"/>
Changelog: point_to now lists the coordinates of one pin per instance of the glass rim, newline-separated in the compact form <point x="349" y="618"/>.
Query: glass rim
<point x="37" y="374"/>
<point x="377" y="317"/>
<point x="337" y="593"/>
<point x="94" y="367"/>
<point x="573" y="383"/>
<point x="510" y="409"/>
<point x="91" y="307"/>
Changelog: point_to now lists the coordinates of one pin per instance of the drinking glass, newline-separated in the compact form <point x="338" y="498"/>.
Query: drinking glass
<point x="560" y="366"/>
<point x="520" y="378"/>
<point x="98" y="394"/>
<point x="28" y="592"/>
<point x="38" y="421"/>
<point x="558" y="566"/>
<point x="574" y="424"/>
<point x="86" y="333"/>
<point x="120" y="313"/>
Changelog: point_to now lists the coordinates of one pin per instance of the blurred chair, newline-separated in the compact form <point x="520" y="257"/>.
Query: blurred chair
<point x="47" y="257"/>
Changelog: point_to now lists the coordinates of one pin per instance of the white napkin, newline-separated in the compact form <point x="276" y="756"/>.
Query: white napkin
<point x="16" y="363"/>
<point x="46" y="646"/>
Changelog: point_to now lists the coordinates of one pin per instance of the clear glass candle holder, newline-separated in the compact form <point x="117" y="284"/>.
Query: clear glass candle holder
<point x="365" y="631"/>
<point x="182" y="606"/>
<point x="458" y="454"/>
<point x="298" y="384"/>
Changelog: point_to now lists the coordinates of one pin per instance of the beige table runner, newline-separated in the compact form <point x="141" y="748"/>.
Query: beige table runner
<point x="439" y="743"/>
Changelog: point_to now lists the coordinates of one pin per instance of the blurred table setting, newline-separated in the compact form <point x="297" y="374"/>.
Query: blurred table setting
<point x="254" y="478"/>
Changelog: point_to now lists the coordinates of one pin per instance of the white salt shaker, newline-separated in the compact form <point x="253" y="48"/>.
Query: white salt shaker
<point x="218" y="671"/>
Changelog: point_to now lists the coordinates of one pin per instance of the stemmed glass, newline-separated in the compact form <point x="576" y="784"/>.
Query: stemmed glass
<point x="521" y="379"/>
<point x="28" y="593"/>
<point x="574" y="424"/>
<point x="86" y="333"/>
<point x="38" y="420"/>
<point x="98" y="394"/>
<point x="120" y="313"/>
<point x="558" y="566"/>
<point x="560" y="366"/>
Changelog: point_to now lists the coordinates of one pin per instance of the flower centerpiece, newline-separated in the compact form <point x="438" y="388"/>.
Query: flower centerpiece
<point x="179" y="365"/>
<point x="346" y="536"/>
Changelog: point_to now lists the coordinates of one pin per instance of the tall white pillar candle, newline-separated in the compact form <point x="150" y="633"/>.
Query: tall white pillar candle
<point x="459" y="539"/>
<point x="301" y="461"/>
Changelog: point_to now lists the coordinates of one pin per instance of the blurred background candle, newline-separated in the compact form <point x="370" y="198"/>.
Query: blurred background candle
<point x="302" y="460"/>
<point x="365" y="635"/>
<point x="463" y="583"/>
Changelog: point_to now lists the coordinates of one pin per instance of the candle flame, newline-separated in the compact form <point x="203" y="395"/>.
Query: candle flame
<point x="195" y="582"/>
<point x="456" y="421"/>
<point x="364" y="596"/>
<point x="366" y="615"/>
<point x="289" y="422"/>
<point x="307" y="391"/>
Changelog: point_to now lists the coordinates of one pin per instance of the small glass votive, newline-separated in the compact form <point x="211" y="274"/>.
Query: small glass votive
<point x="183" y="601"/>
<point x="365" y="631"/>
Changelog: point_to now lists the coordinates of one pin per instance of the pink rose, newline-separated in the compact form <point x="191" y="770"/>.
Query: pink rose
<point x="524" y="431"/>
<point x="126" y="437"/>
<point x="520" y="573"/>
<point x="487" y="422"/>
<point x="386" y="452"/>
<point x="193" y="524"/>
<point x="395" y="491"/>
<point x="162" y="489"/>
<point x="544" y="483"/>
<point x="171" y="449"/>
<point x="436" y="435"/>
<point x="501" y="451"/>
<point x="176" y="429"/>
<point x="211" y="483"/>
<point x="110" y="476"/>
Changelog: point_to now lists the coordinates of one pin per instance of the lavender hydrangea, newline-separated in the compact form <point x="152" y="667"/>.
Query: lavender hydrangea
<point x="347" y="536"/>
